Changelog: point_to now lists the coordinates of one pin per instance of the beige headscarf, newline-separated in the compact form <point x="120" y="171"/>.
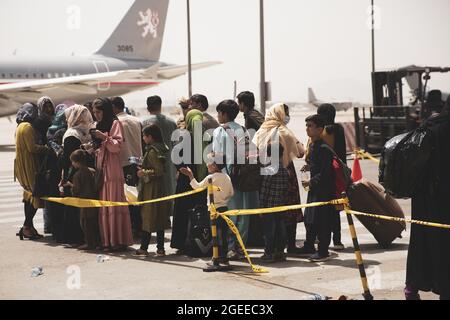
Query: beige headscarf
<point x="79" y="121"/>
<point x="273" y="125"/>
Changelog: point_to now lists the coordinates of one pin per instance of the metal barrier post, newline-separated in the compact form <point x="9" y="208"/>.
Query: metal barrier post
<point x="362" y="272"/>
<point x="215" y="265"/>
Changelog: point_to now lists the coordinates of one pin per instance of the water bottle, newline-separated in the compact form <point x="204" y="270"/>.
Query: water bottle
<point x="36" y="271"/>
<point x="135" y="160"/>
<point x="101" y="258"/>
<point x="315" y="297"/>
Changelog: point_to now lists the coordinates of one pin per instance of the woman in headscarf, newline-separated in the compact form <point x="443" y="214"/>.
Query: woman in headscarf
<point x="46" y="111"/>
<point x="193" y="121"/>
<point x="26" y="166"/>
<point x="53" y="211"/>
<point x="275" y="125"/>
<point x="54" y="137"/>
<point x="58" y="125"/>
<point x="114" y="222"/>
<point x="428" y="261"/>
<point x="79" y="121"/>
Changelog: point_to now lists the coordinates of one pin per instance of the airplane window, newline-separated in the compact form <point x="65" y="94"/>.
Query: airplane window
<point x="3" y="75"/>
<point x="19" y="76"/>
<point x="42" y="75"/>
<point x="56" y="75"/>
<point x="11" y="75"/>
<point x="34" y="75"/>
<point x="71" y="74"/>
<point x="26" y="76"/>
<point x="49" y="75"/>
<point x="63" y="74"/>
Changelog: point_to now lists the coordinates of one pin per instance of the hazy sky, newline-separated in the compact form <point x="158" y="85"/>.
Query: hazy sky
<point x="324" y="44"/>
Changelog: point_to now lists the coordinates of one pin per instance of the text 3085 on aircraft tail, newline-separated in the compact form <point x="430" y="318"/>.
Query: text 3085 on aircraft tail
<point x="140" y="33"/>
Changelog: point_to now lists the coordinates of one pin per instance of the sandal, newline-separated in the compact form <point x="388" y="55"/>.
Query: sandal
<point x="141" y="253"/>
<point x="20" y="234"/>
<point x="27" y="233"/>
<point x="84" y="247"/>
<point x="36" y="235"/>
<point x="119" y="248"/>
<point x="160" y="253"/>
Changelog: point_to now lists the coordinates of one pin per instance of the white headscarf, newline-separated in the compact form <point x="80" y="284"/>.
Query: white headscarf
<point x="79" y="121"/>
<point x="274" y="124"/>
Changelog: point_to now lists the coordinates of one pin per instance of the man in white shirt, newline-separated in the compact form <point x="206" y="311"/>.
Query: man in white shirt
<point x="132" y="147"/>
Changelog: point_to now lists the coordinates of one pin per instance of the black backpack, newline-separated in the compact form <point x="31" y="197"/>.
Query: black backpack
<point x="246" y="177"/>
<point x="199" y="238"/>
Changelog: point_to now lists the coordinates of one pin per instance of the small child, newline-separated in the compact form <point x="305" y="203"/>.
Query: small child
<point x="274" y="188"/>
<point x="319" y="220"/>
<point x="155" y="217"/>
<point x="221" y="198"/>
<point x="83" y="186"/>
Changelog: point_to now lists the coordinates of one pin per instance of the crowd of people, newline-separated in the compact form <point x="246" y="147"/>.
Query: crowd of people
<point x="92" y="151"/>
<point x="86" y="152"/>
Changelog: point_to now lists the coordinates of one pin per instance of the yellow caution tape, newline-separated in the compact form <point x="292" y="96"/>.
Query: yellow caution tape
<point x="363" y="154"/>
<point x="224" y="215"/>
<point x="215" y="215"/>
<point x="283" y="208"/>
<point x="423" y="223"/>
<point x="92" y="203"/>
<point x="235" y="230"/>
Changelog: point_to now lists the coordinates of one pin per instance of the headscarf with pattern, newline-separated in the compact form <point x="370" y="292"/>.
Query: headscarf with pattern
<point x="79" y="121"/>
<point x="27" y="113"/>
<point x="274" y="124"/>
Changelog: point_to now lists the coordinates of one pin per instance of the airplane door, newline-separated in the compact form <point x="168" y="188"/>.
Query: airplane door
<point x="101" y="67"/>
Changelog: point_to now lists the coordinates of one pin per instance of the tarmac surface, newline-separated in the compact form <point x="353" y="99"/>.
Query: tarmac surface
<point x="72" y="274"/>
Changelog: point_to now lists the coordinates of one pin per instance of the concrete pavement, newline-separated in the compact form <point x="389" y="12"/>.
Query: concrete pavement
<point x="71" y="274"/>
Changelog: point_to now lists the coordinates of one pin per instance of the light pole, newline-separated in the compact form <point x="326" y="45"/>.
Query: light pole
<point x="262" y="58"/>
<point x="373" y="36"/>
<point x="189" y="48"/>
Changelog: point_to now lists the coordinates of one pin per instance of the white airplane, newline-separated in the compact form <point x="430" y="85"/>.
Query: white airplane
<point x="128" y="61"/>
<point x="340" y="106"/>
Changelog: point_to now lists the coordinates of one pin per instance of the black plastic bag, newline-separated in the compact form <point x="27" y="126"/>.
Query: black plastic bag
<point x="386" y="169"/>
<point x="405" y="162"/>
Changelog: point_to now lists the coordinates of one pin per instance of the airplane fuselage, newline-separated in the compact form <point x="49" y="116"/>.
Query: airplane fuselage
<point x="20" y="69"/>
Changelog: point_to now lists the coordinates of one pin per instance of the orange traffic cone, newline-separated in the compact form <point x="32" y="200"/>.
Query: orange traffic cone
<point x="356" y="171"/>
